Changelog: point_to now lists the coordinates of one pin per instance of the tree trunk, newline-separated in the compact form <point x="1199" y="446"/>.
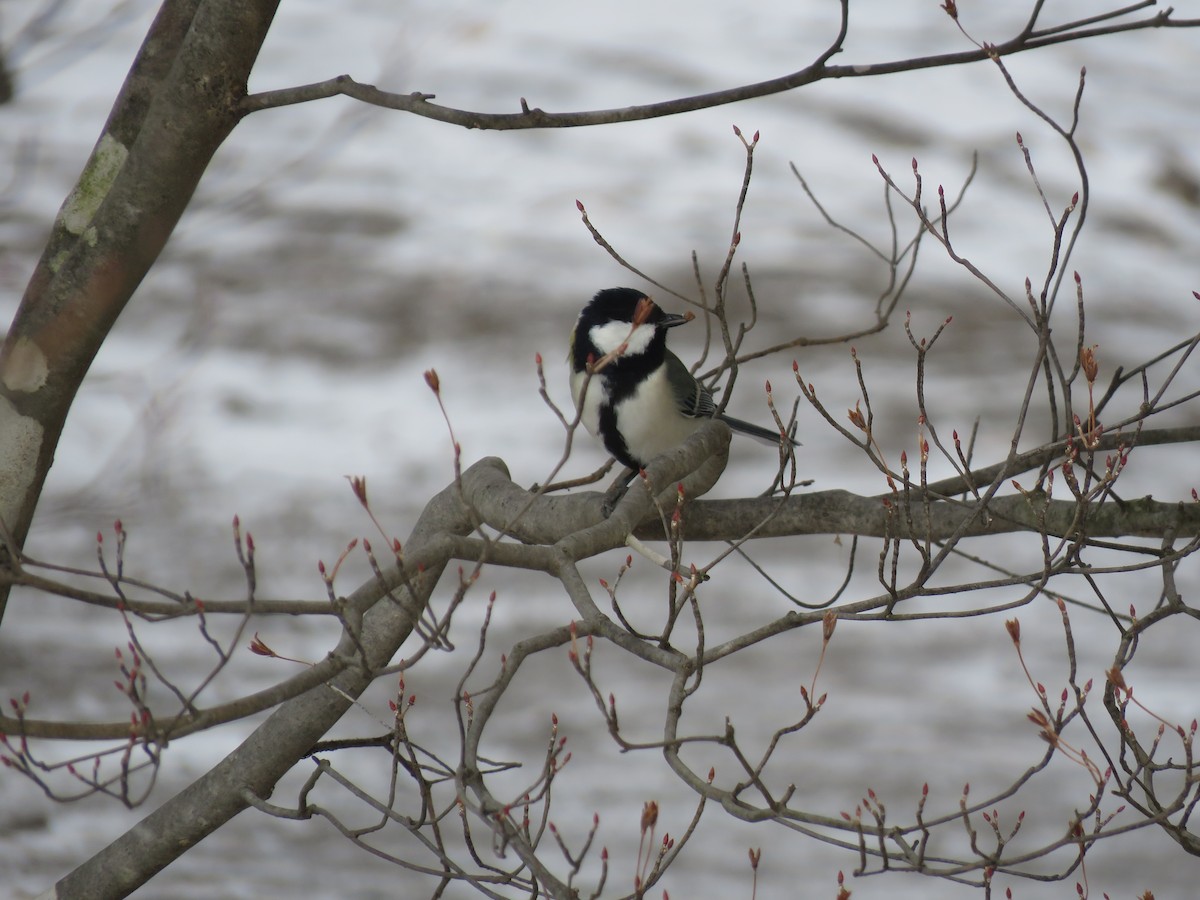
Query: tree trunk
<point x="179" y="102"/>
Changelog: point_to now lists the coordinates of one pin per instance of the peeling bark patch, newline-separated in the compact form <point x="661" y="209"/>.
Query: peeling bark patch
<point x="20" y="441"/>
<point x="26" y="368"/>
<point x="93" y="185"/>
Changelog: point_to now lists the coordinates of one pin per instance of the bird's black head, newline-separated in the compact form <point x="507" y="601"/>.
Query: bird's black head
<point x="610" y="319"/>
<point x="621" y="305"/>
<point x="614" y="305"/>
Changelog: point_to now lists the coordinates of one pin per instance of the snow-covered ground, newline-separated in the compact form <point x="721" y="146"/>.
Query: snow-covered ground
<point x="334" y="252"/>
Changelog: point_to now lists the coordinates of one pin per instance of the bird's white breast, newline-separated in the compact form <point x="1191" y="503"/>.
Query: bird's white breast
<point x="649" y="419"/>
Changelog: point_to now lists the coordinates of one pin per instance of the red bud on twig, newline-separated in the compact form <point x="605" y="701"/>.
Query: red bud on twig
<point x="1014" y="630"/>
<point x="649" y="815"/>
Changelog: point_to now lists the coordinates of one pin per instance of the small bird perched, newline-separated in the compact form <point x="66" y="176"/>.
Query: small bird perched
<point x="643" y="401"/>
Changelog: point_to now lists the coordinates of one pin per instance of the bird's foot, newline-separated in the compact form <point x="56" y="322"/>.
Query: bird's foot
<point x="612" y="497"/>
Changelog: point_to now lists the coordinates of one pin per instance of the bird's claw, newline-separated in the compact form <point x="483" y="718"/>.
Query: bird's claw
<point x="611" y="498"/>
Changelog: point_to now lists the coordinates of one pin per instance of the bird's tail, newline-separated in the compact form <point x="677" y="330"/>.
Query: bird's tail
<point x="770" y="435"/>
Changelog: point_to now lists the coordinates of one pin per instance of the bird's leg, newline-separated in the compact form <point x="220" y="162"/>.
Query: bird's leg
<point x="616" y="491"/>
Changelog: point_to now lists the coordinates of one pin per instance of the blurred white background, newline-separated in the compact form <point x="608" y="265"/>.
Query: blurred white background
<point x="336" y="251"/>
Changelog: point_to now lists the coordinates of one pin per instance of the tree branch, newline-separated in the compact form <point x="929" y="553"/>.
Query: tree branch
<point x="178" y="106"/>
<point x="275" y="746"/>
<point x="418" y="103"/>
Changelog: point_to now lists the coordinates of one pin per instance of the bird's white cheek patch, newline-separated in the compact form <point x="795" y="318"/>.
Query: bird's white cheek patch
<point x="611" y="335"/>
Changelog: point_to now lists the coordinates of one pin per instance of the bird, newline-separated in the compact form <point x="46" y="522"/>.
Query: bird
<point x="643" y="400"/>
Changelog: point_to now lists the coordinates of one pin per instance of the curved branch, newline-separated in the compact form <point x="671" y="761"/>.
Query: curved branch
<point x="162" y="609"/>
<point x="418" y="103"/>
<point x="201" y="720"/>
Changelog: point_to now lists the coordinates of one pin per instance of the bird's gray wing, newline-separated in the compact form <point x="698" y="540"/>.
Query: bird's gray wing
<point x="692" y="398"/>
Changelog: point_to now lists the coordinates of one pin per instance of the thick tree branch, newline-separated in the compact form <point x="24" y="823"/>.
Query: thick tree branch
<point x="558" y="519"/>
<point x="180" y="103"/>
<point x="555" y="529"/>
<point x="275" y="746"/>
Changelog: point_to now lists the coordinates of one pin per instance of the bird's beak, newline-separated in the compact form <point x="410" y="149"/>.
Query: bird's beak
<point x="670" y="320"/>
